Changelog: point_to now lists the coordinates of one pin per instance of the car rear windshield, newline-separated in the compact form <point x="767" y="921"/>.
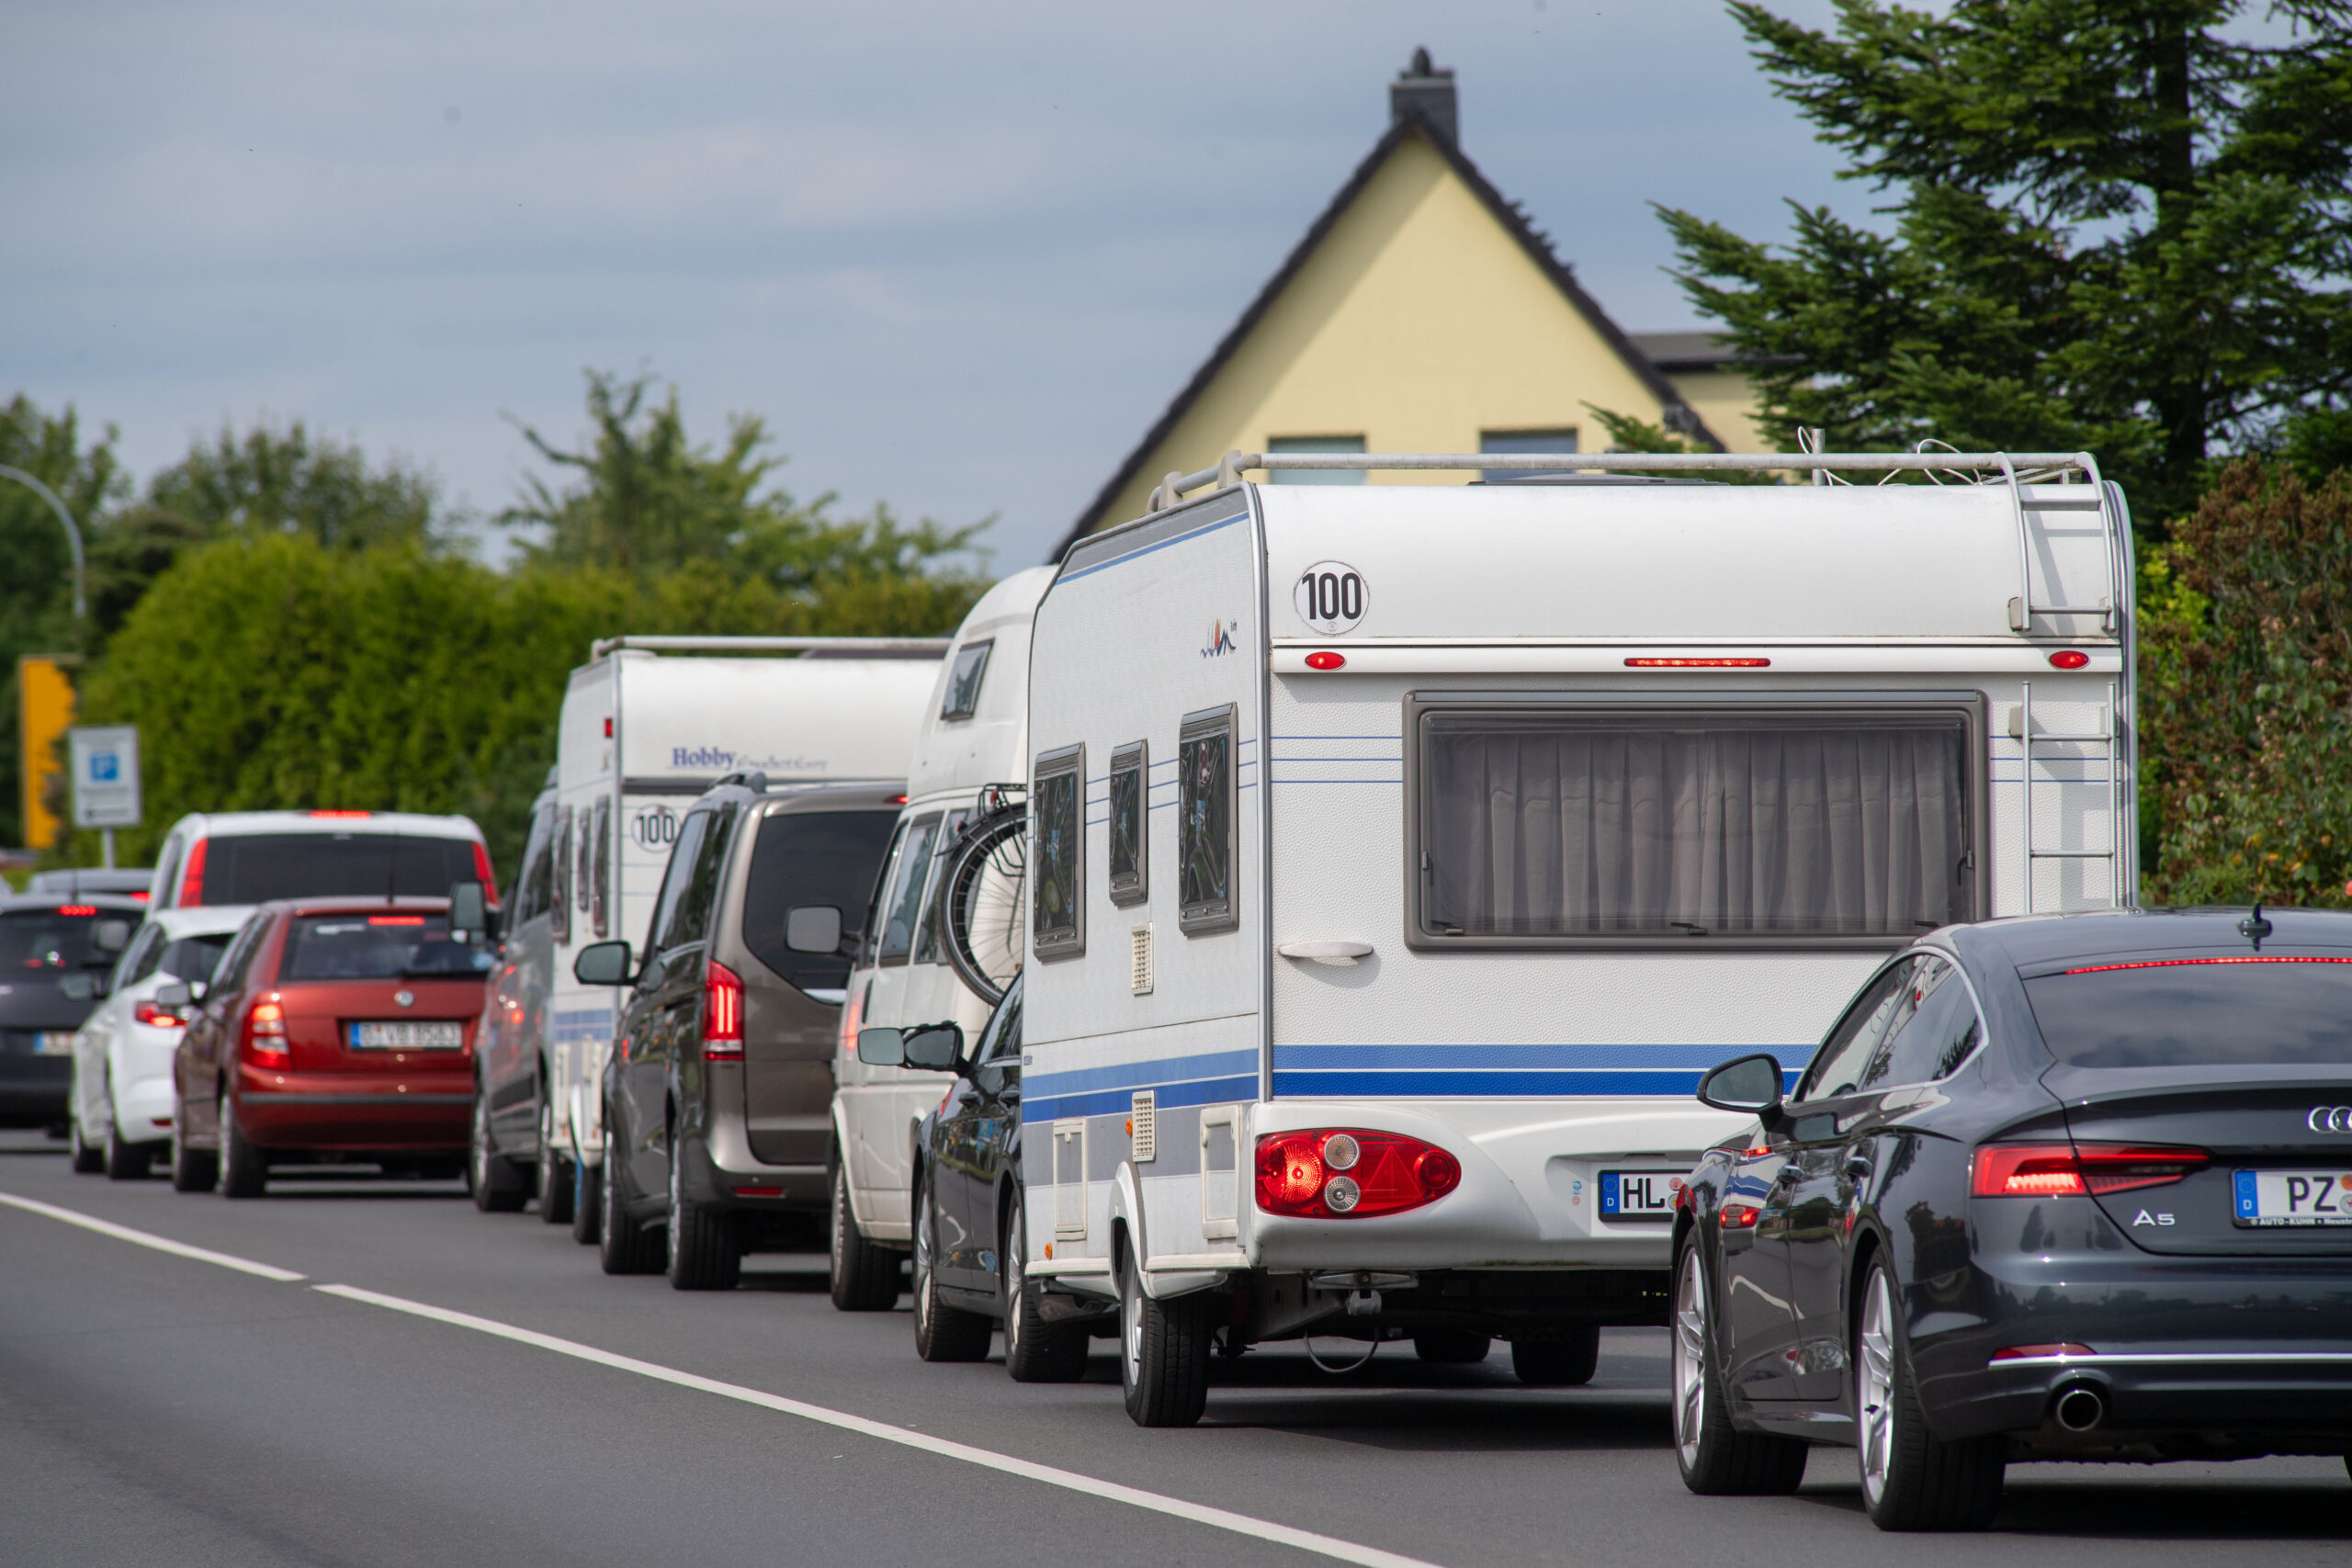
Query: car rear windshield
<point x="256" y="867"/>
<point x="2239" y="1013"/>
<point x="378" y="947"/>
<point x="823" y="858"/>
<point x="38" y="940"/>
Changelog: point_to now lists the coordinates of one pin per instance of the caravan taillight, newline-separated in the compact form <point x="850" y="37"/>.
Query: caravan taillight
<point x="2069" y="658"/>
<point x="1329" y="1173"/>
<point x="722" y="1013"/>
<point x="1327" y="661"/>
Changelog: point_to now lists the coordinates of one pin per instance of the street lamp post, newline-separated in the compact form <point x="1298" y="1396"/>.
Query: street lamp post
<point x="72" y="533"/>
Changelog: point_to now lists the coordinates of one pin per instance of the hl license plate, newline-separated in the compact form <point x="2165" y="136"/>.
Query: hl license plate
<point x="2293" y="1198"/>
<point x="53" y="1043"/>
<point x="1637" y="1194"/>
<point x="407" y="1036"/>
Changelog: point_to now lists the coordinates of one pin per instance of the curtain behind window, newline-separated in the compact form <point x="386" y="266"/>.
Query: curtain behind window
<point x="1565" y="824"/>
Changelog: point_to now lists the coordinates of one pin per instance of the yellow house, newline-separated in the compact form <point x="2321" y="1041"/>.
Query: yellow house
<point x="1422" y="313"/>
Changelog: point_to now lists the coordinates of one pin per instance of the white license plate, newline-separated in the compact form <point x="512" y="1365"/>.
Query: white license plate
<point x="53" y="1043"/>
<point x="1637" y="1194"/>
<point x="2293" y="1198"/>
<point x="406" y="1035"/>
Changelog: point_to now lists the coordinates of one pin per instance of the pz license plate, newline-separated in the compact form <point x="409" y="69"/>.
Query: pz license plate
<point x="2293" y="1198"/>
<point x="1637" y="1194"/>
<point x="53" y="1043"/>
<point x="406" y="1035"/>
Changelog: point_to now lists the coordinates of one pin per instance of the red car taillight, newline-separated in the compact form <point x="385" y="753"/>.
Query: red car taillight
<point x="2072" y="1171"/>
<point x="192" y="879"/>
<point x="264" y="1035"/>
<point x="722" y="1013"/>
<point x="154" y="1017"/>
<point x="1339" y="1173"/>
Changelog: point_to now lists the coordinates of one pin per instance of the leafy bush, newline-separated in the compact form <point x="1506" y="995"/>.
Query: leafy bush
<point x="2247" y="707"/>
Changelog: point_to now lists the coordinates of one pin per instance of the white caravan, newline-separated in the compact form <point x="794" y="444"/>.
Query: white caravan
<point x="974" y="736"/>
<point x="1402" y="853"/>
<point x="647" y="725"/>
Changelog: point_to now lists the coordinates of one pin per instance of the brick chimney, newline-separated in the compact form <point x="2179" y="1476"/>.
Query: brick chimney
<point x="1429" y="89"/>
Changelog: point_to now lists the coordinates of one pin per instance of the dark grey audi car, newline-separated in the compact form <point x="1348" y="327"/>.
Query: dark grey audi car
<point x="2075" y="1187"/>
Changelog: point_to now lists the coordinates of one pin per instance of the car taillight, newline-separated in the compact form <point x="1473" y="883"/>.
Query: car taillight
<point x="192" y="879"/>
<point x="265" y="1034"/>
<point x="722" y="1013"/>
<point x="1342" y="1173"/>
<point x="482" y="872"/>
<point x="154" y="1017"/>
<point x="77" y="908"/>
<point x="2072" y="1171"/>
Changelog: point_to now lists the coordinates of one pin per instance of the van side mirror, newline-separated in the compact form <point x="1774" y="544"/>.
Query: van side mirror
<point x="602" y="963"/>
<point x="813" y="928"/>
<point x="1749" y="1084"/>
<point x="111" y="936"/>
<point x="468" y="911"/>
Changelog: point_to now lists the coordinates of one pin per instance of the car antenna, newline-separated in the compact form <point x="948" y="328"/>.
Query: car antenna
<point x="2254" y="928"/>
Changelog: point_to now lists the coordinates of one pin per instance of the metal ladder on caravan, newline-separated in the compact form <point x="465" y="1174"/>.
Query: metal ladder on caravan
<point x="2115" y="620"/>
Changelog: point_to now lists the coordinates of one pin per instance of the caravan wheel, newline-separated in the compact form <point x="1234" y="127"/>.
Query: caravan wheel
<point x="1163" y="1354"/>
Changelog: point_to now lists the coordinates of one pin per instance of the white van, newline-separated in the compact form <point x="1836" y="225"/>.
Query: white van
<point x="647" y="725"/>
<point x="1401" y="854"/>
<point x="974" y="737"/>
<point x="230" y="858"/>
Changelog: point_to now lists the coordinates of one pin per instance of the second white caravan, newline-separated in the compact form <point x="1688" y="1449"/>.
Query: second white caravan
<point x="647" y="725"/>
<point x="1401" y="854"/>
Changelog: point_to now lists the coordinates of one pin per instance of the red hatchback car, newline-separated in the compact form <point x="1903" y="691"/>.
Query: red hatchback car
<point x="338" y="1030"/>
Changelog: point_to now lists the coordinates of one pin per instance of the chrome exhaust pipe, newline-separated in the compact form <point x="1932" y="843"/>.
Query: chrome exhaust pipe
<point x="2080" y="1407"/>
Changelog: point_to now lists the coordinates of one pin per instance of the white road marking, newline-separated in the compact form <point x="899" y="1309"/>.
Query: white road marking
<point x="1069" y="1479"/>
<point x="144" y="1238"/>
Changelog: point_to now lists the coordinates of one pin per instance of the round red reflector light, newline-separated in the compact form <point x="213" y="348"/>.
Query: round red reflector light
<point x="2069" y="658"/>
<point x="1438" y="1172"/>
<point x="1325" y="660"/>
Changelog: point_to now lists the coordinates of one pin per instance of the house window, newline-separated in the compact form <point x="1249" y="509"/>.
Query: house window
<point x="1515" y="441"/>
<point x="1301" y="443"/>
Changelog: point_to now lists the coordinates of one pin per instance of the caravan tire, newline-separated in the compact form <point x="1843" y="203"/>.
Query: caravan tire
<point x="1163" y="1353"/>
<point x="865" y="1276"/>
<point x="1034" y="1351"/>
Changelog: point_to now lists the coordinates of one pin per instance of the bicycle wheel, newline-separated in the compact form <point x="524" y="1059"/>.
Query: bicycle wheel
<point x="979" y="902"/>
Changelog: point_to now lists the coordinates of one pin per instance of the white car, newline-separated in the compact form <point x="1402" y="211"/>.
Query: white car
<point x="121" y="1097"/>
<point x="251" y="857"/>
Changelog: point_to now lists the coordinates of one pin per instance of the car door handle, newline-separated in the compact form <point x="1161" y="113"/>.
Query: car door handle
<point x="1857" y="1166"/>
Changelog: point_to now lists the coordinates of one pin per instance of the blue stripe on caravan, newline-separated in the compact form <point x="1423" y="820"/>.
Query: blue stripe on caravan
<point x="1111" y="1102"/>
<point x="1147" y="549"/>
<point x="1521" y="1058"/>
<point x="1141" y="1075"/>
<point x="1488" y="1085"/>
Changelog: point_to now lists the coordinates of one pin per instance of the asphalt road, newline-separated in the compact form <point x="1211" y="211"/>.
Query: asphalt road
<point x="161" y="1408"/>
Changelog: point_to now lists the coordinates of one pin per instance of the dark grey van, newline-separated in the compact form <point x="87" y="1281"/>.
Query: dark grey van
<point x="719" y="1092"/>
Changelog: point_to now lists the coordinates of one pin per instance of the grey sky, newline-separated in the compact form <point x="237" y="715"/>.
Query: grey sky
<point x="959" y="255"/>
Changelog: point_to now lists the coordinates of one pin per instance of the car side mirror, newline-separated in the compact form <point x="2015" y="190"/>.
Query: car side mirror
<point x="936" y="1047"/>
<point x="78" y="987"/>
<point x="176" y="993"/>
<point x="468" y="911"/>
<point x="813" y="928"/>
<point x="602" y="963"/>
<point x="111" y="936"/>
<point x="1747" y="1084"/>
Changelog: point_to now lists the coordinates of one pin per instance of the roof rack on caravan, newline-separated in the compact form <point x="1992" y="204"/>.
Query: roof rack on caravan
<point x="836" y="647"/>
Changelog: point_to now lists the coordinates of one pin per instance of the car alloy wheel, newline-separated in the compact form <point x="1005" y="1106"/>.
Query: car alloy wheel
<point x="865" y="1275"/>
<point x="1715" y="1458"/>
<point x="1689" y="1358"/>
<point x="1874" y="1386"/>
<point x="943" y="1333"/>
<point x="1034" y="1349"/>
<point x="1911" y="1481"/>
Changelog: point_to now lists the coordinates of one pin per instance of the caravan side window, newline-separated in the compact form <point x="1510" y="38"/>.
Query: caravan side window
<point x="1129" y="853"/>
<point x="600" y="869"/>
<point x="1204" y="856"/>
<point x="971" y="667"/>
<point x="1058" y="800"/>
<point x="559" y="910"/>
<point x="1548" y="821"/>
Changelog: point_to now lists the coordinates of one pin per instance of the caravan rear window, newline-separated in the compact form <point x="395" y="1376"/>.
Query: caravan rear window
<point x="1556" y="823"/>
